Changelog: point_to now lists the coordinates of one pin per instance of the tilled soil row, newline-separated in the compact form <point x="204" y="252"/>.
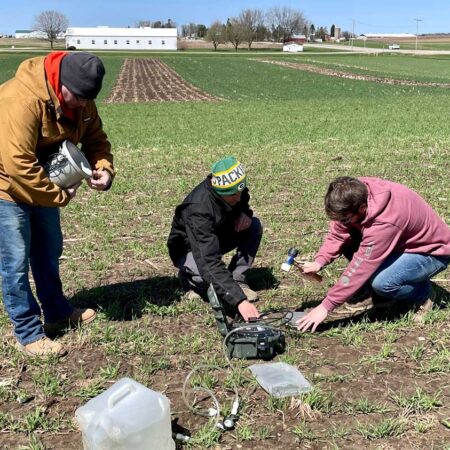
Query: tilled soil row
<point x="151" y="80"/>
<point x="353" y="76"/>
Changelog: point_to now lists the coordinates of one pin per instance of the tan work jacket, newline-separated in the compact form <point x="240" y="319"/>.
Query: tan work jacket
<point x="32" y="125"/>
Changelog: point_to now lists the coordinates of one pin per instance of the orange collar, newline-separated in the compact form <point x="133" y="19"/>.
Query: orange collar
<point x="52" y="66"/>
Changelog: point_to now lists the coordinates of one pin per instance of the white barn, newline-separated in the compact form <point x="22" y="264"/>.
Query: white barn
<point x="106" y="38"/>
<point x="292" y="47"/>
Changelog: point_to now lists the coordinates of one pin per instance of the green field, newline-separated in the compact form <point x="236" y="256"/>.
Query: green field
<point x="379" y="382"/>
<point x="422" y="44"/>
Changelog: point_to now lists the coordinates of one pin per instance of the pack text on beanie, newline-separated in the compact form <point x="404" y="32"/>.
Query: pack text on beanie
<point x="228" y="176"/>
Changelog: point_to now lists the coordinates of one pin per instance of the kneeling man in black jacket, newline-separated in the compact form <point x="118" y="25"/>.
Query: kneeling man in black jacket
<point x="214" y="219"/>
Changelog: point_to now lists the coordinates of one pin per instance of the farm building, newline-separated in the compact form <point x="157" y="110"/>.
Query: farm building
<point x="297" y="38"/>
<point x="106" y="38"/>
<point x="30" y="34"/>
<point x="292" y="47"/>
<point x="386" y="36"/>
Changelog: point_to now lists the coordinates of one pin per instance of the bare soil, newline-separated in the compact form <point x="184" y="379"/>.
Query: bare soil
<point x="337" y="367"/>
<point x="152" y="80"/>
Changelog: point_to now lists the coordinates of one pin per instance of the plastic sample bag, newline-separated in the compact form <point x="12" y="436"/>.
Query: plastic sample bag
<point x="280" y="379"/>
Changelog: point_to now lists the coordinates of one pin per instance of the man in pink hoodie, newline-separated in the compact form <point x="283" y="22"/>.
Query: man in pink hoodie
<point x="394" y="240"/>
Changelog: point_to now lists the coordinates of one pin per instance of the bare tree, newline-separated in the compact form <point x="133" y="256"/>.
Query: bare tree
<point x="235" y="32"/>
<point x="52" y="23"/>
<point x="286" y="22"/>
<point x="216" y="34"/>
<point x="250" y="20"/>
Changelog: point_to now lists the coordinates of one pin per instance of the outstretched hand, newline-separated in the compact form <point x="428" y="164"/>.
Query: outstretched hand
<point x="100" y="180"/>
<point x="311" y="267"/>
<point x="313" y="319"/>
<point x="247" y="310"/>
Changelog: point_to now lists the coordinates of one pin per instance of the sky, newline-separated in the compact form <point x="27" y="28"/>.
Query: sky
<point x="360" y="16"/>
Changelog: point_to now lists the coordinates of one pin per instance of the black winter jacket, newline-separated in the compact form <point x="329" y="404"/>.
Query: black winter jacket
<point x="204" y="224"/>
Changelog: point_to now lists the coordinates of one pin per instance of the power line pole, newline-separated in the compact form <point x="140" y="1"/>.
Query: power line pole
<point x="353" y="31"/>
<point x="417" y="30"/>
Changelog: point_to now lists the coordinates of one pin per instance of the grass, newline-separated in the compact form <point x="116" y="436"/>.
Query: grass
<point x="294" y="131"/>
<point x="382" y="430"/>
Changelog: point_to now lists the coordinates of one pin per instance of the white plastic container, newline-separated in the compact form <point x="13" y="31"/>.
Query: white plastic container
<point x="280" y="379"/>
<point x="127" y="416"/>
<point x="69" y="166"/>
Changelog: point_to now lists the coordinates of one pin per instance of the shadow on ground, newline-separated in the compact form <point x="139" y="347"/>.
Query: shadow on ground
<point x="261" y="278"/>
<point x="127" y="300"/>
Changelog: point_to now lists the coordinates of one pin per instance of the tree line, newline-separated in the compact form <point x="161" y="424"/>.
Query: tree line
<point x="278" y="24"/>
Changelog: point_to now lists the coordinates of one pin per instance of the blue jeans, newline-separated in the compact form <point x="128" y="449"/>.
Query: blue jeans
<point x="31" y="236"/>
<point x="406" y="276"/>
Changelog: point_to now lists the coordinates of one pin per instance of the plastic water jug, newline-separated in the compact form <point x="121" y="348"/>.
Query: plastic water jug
<point x="126" y="416"/>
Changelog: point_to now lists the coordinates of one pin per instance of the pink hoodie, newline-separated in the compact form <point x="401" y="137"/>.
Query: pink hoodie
<point x="397" y="220"/>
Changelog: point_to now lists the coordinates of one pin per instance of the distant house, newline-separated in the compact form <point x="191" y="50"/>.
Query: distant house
<point x="292" y="47"/>
<point x="106" y="38"/>
<point x="297" y="38"/>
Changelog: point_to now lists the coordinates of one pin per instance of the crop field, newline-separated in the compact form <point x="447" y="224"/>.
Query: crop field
<point x="380" y="381"/>
<point x="423" y="43"/>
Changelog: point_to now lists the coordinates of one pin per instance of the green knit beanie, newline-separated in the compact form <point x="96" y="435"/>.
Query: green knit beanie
<point x="228" y="176"/>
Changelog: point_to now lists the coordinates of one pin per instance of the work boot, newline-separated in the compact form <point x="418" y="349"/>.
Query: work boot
<point x="358" y="303"/>
<point x="251" y="295"/>
<point x="82" y="316"/>
<point x="192" y="295"/>
<point x="424" y="308"/>
<point x="79" y="317"/>
<point x="42" y="347"/>
<point x="350" y="309"/>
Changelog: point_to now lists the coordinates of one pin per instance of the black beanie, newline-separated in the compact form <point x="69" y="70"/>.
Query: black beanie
<point x="82" y="73"/>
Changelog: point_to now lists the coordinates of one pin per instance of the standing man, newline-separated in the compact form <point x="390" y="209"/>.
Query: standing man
<point x="394" y="240"/>
<point x="214" y="219"/>
<point x="50" y="99"/>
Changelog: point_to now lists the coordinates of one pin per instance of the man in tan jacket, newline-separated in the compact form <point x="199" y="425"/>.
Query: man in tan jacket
<point x="49" y="100"/>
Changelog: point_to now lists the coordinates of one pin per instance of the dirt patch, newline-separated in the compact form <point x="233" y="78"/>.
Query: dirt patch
<point x="152" y="80"/>
<point x="353" y="76"/>
<point x="146" y="331"/>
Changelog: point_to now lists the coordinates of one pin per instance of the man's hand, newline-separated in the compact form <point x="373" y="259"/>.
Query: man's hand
<point x="247" y="310"/>
<point x="72" y="190"/>
<point x="311" y="267"/>
<point x="100" y="180"/>
<point x="313" y="319"/>
<point x="242" y="223"/>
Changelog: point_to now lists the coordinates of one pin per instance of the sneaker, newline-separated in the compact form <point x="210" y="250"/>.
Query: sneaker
<point x="424" y="308"/>
<point x="251" y="295"/>
<point x="79" y="317"/>
<point x="42" y="347"/>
